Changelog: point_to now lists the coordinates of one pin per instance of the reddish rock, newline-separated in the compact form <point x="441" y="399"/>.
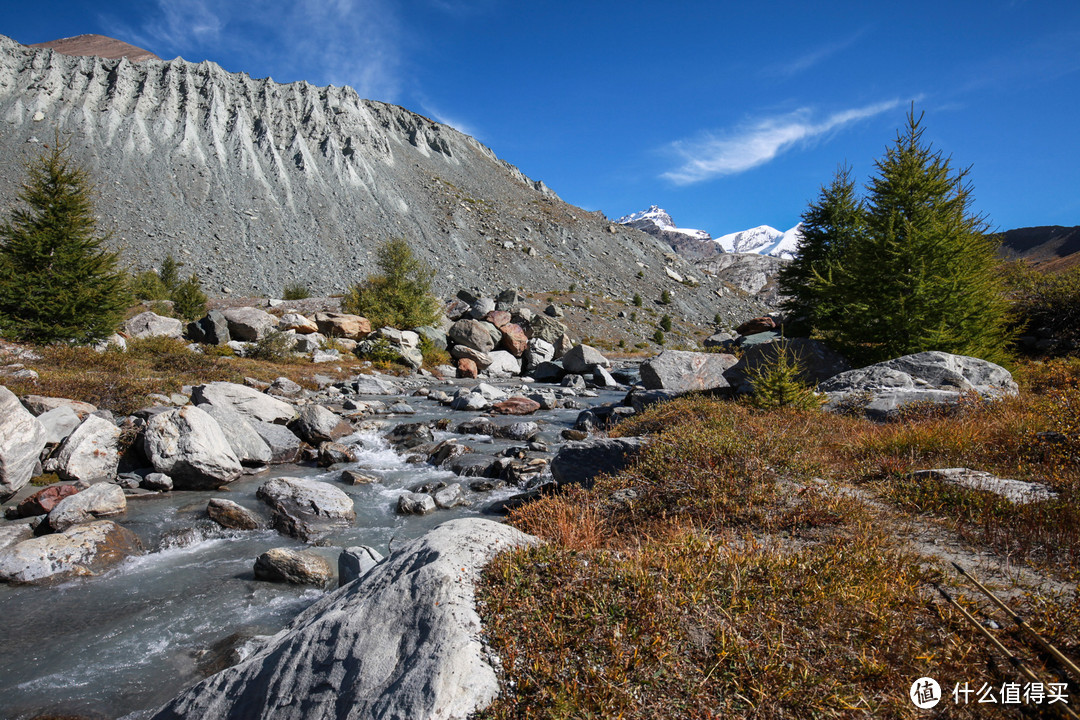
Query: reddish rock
<point x="343" y="325"/>
<point x="498" y="318"/>
<point x="466" y="368"/>
<point x="757" y="325"/>
<point x="43" y="501"/>
<point x="514" y="339"/>
<point x="516" y="405"/>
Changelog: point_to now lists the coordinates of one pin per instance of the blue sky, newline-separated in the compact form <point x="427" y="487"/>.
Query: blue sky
<point x="727" y="115"/>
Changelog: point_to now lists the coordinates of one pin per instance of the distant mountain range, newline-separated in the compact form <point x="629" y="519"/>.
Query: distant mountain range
<point x="1052" y="247"/>
<point x="700" y="245"/>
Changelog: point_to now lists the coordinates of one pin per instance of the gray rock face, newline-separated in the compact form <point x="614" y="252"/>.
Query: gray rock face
<point x="91" y="452"/>
<point x="582" y="358"/>
<point x="148" y="324"/>
<point x="356" y="561"/>
<point x="284" y="445"/>
<point x="248" y="445"/>
<point x="231" y="515"/>
<point x="79" y="550"/>
<point x="412" y="503"/>
<point x="306" y="509"/>
<point x="39" y="404"/>
<point x="297" y="567"/>
<point x="97" y="501"/>
<point x="684" y="371"/>
<point x="249" y="402"/>
<point x="747" y="272"/>
<point x="578" y="463"/>
<point x="188" y="445"/>
<point x="402" y="642"/>
<point x="22" y="438"/>
<point x="249" y="324"/>
<point x="213" y="329"/>
<point x="881" y="390"/>
<point x="503" y="364"/>
<point x="59" y="423"/>
<point x="316" y="424"/>
<point x="547" y="329"/>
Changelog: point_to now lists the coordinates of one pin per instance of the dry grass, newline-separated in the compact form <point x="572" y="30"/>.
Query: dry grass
<point x="731" y="571"/>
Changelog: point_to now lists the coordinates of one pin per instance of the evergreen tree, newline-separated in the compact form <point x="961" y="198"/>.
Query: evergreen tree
<point x="57" y="279"/>
<point x="400" y="296"/>
<point x="189" y="301"/>
<point x="916" y="272"/>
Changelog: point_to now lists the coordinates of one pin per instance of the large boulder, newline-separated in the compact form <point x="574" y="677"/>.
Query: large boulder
<point x="148" y="324"/>
<point x="298" y="323"/>
<point x="306" y="509"/>
<point x="79" y="550"/>
<point x="213" y="329"/>
<point x="514" y="340"/>
<point x="503" y="364"/>
<point x="315" y="424"/>
<point x="22" y="438"/>
<point x="38" y="405"/>
<point x="232" y="515"/>
<point x="879" y="391"/>
<point x="249" y="402"/>
<point x="249" y="324"/>
<point x="401" y="642"/>
<point x="248" y="445"/>
<point x="97" y="501"/>
<point x="582" y="358"/>
<point x="188" y="445"/>
<point x="356" y="561"/>
<point x="546" y="328"/>
<point x="684" y="371"/>
<point x="59" y="423"/>
<point x="91" y="452"/>
<point x="578" y="463"/>
<point x="343" y="325"/>
<point x="297" y="567"/>
<point x="472" y="334"/>
<point x="284" y="445"/>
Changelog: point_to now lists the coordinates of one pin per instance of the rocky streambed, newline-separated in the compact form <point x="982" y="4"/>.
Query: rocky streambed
<point x="121" y="642"/>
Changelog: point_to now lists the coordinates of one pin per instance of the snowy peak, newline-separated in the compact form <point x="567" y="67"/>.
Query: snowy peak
<point x="763" y="240"/>
<point x="655" y="220"/>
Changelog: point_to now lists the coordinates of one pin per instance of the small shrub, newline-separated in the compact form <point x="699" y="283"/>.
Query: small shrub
<point x="665" y="323"/>
<point x="378" y="351"/>
<point x="296" y="291"/>
<point x="274" y="346"/>
<point x="433" y="355"/>
<point x="658" y="337"/>
<point x="637" y="300"/>
<point x="778" y="383"/>
<point x="633" y="317"/>
<point x="640" y="274"/>
<point x="189" y="301"/>
<point x="665" y="298"/>
<point x="717" y="319"/>
<point x="147" y="285"/>
<point x="573" y="287"/>
<point x="164" y="308"/>
<point x="170" y="273"/>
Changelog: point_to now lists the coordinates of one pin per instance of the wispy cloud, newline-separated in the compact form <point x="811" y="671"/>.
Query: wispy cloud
<point x="339" y="42"/>
<point x="715" y="155"/>
<point x="808" y="60"/>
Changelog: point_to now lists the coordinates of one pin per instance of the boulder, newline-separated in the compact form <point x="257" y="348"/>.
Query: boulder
<point x="563" y="344"/>
<point x="551" y="371"/>
<point x="578" y="463"/>
<point x="283" y="444"/>
<point x="306" y="509"/>
<point x="59" y="423"/>
<point x="332" y="453"/>
<point x="44" y="500"/>
<point x="343" y="325"/>
<point x="639" y="399"/>
<point x="498" y="318"/>
<point x="538" y="351"/>
<point x="481" y="307"/>
<point x="464" y="352"/>
<point x="248" y="324"/>
<point x="435" y="335"/>
<point x="546" y="328"/>
<point x="231" y="515"/>
<point x="503" y="365"/>
<point x="516" y="405"/>
<point x="157" y="482"/>
<point x="473" y="465"/>
<point x="249" y="402"/>
<point x="298" y="324"/>
<point x="521" y="430"/>
<point x="757" y="325"/>
<point x="602" y="378"/>
<point x="582" y="358"/>
<point x="402" y="642"/>
<point x="466" y="368"/>
<point x="22" y="438"/>
<point x="352" y="477"/>
<point x="79" y="550"/>
<point x="91" y="452"/>
<point x="149" y="324"/>
<point x="97" y="501"/>
<point x="1018" y="492"/>
<point x="879" y="391"/>
<point x="471" y="333"/>
<point x="413" y="503"/>
<point x="40" y="404"/>
<point x="212" y="329"/>
<point x="297" y="567"/>
<point x="315" y="424"/>
<point x="684" y="371"/>
<point x="285" y="387"/>
<point x="450" y="496"/>
<point x="373" y="385"/>
<point x="514" y="340"/>
<point x="457" y="309"/>
<point x="188" y="445"/>
<point x="353" y="562"/>
<point x="246" y="443"/>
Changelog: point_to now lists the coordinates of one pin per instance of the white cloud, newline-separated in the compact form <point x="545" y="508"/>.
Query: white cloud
<point x="716" y="155"/>
<point x="808" y="60"/>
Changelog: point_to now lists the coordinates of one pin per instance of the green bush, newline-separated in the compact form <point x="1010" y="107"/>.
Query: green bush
<point x="400" y="295"/>
<point x="274" y="346"/>
<point x="665" y="323"/>
<point x="296" y="291"/>
<point x="433" y="355"/>
<point x="658" y="337"/>
<point x="147" y="285"/>
<point x="378" y="350"/>
<point x="778" y="382"/>
<point x="189" y="301"/>
<point x="1047" y="303"/>
<point x="637" y="300"/>
<point x="665" y="298"/>
<point x="57" y="279"/>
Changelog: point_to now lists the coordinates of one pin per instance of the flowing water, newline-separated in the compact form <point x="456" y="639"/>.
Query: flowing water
<point x="122" y="643"/>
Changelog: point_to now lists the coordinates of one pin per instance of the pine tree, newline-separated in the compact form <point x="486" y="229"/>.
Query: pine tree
<point x="189" y="301"/>
<point x="400" y="296"/>
<point x="912" y="269"/>
<point x="57" y="279"/>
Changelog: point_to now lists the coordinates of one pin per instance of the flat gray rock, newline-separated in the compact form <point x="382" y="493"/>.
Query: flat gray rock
<point x="582" y="358"/>
<point x="149" y="324"/>
<point x="682" y="371"/>
<point x="97" y="501"/>
<point x="59" y="423"/>
<point x="91" y="452"/>
<point x="578" y="463"/>
<point x="315" y="424"/>
<point x="249" y="324"/>
<point x="401" y="642"/>
<point x="306" y="509"/>
<point x="1018" y="492"/>
<point x="249" y="402"/>
<point x="284" y="445"/>
<point x="248" y="445"/>
<point x="79" y="550"/>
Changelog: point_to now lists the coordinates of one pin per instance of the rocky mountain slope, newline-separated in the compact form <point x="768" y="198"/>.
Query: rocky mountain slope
<point x="1052" y="247"/>
<point x="254" y="184"/>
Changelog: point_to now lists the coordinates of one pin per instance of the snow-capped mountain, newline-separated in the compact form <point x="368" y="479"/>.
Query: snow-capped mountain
<point x="763" y="240"/>
<point x="691" y="244"/>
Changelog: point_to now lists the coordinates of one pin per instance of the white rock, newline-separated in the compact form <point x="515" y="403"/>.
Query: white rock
<point x="22" y="438"/>
<point x="189" y="446"/>
<point x="149" y="324"/>
<point x="97" y="501"/>
<point x="91" y="452"/>
<point x="79" y="550"/>
<point x="249" y="402"/>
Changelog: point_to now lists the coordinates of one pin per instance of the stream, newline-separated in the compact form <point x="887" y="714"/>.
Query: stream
<point x="124" y="642"/>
